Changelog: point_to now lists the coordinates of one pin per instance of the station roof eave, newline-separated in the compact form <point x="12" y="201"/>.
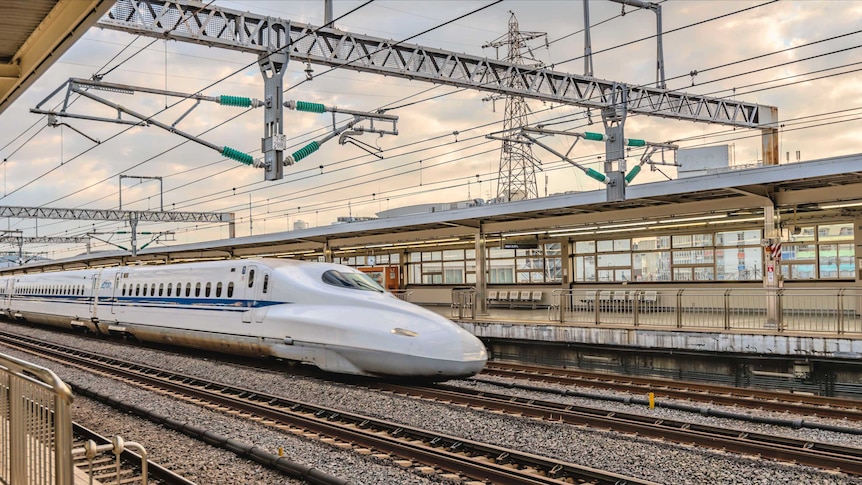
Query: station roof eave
<point x="798" y="186"/>
<point x="35" y="33"/>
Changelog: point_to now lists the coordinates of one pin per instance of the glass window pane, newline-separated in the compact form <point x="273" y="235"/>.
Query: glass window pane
<point x="622" y="275"/>
<point x="704" y="273"/>
<point x="453" y="255"/>
<point x="502" y="253"/>
<point x="622" y="244"/>
<point x="614" y="260"/>
<point x="739" y="263"/>
<point x="828" y="260"/>
<point x="682" y="274"/>
<point x="738" y="238"/>
<point x="835" y="232"/>
<point x="798" y="252"/>
<point x="553" y="270"/>
<point x="805" y="234"/>
<point x="695" y="256"/>
<point x="654" y="266"/>
<point x="605" y="246"/>
<point x="501" y="275"/>
<point x="650" y="243"/>
<point x="606" y="275"/>
<point x="582" y="247"/>
<point x="682" y="241"/>
<point x="553" y="249"/>
<point x="585" y="268"/>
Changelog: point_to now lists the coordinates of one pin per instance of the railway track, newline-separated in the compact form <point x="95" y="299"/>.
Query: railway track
<point x="409" y="446"/>
<point x="130" y="468"/>
<point x="815" y="454"/>
<point x="784" y="402"/>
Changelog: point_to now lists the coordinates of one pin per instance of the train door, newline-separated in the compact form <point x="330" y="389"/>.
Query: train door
<point x="250" y="292"/>
<point x="7" y="293"/>
<point x="116" y="292"/>
<point x="256" y="290"/>
<point x="262" y="291"/>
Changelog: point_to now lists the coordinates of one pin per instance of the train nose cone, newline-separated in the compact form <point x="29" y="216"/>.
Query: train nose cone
<point x="474" y="356"/>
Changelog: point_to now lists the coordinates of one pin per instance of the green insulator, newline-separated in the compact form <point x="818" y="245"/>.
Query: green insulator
<point x="635" y="142"/>
<point x="634" y="173"/>
<point x="305" y="151"/>
<point x="237" y="155"/>
<point x="239" y="101"/>
<point x="310" y="107"/>
<point x="593" y="136"/>
<point x="597" y="175"/>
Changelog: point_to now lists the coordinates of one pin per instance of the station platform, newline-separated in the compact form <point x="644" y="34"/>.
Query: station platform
<point x="535" y="326"/>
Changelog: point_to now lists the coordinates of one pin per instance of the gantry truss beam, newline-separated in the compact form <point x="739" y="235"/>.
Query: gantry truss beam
<point x="44" y="240"/>
<point x="191" y="21"/>
<point x="114" y="215"/>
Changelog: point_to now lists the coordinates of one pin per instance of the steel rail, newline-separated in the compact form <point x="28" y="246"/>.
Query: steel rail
<point x="807" y="452"/>
<point x="828" y="407"/>
<point x="476" y="460"/>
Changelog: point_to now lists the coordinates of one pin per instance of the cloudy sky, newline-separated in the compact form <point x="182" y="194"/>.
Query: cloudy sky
<point x="806" y="63"/>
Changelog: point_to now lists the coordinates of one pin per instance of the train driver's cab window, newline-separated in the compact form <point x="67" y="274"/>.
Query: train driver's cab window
<point x="250" y="278"/>
<point x="356" y="281"/>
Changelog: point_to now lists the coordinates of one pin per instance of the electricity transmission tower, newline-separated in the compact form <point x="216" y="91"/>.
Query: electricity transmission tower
<point x="516" y="179"/>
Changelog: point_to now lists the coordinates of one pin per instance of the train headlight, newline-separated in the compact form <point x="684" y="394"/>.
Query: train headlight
<point x="404" y="332"/>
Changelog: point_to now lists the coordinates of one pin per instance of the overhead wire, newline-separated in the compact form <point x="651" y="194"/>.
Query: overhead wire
<point x="435" y="96"/>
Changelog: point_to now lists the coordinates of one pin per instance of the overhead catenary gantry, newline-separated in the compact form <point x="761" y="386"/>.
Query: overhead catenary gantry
<point x="273" y="167"/>
<point x="190" y="21"/>
<point x="132" y="217"/>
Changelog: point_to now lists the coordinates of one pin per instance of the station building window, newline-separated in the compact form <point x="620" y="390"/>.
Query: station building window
<point x="504" y="266"/>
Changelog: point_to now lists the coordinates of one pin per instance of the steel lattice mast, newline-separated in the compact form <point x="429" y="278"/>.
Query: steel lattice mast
<point x="516" y="179"/>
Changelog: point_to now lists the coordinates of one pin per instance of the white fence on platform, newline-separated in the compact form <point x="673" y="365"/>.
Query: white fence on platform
<point x="801" y="310"/>
<point x="35" y="425"/>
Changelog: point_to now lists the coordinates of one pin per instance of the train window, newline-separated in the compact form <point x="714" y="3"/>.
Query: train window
<point x="179" y="289"/>
<point x="265" y="283"/>
<point x="124" y="289"/>
<point x="145" y="289"/>
<point x="356" y="281"/>
<point x="161" y="289"/>
<point x="197" y="289"/>
<point x="188" y="289"/>
<point x="250" y="278"/>
<point x="230" y="289"/>
<point x="153" y="289"/>
<point x="208" y="290"/>
<point x="218" y="289"/>
<point x="138" y="289"/>
<point x="170" y="288"/>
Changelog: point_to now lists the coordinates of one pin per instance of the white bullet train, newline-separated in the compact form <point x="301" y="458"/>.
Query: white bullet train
<point x="327" y="315"/>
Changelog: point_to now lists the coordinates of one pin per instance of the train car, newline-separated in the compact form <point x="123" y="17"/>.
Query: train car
<point x="327" y="315"/>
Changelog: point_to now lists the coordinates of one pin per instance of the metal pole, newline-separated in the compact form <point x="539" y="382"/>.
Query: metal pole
<point x="481" y="307"/>
<point x="588" y="48"/>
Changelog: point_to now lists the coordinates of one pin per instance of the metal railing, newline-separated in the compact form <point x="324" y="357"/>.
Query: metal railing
<point x="463" y="302"/>
<point x="35" y="425"/>
<point x="802" y="310"/>
<point x="92" y="455"/>
<point x="402" y="294"/>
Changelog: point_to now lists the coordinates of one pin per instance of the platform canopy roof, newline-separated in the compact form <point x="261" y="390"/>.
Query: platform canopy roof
<point x="803" y="193"/>
<point x="35" y="33"/>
